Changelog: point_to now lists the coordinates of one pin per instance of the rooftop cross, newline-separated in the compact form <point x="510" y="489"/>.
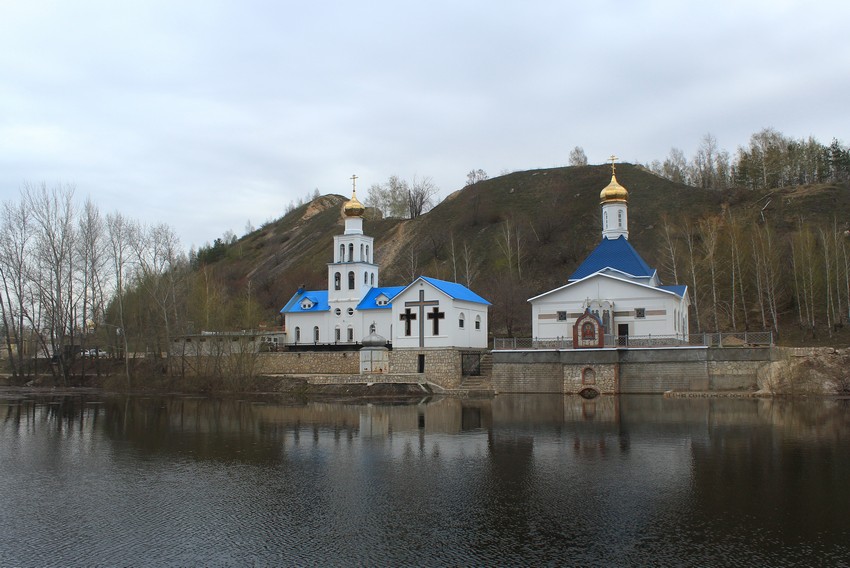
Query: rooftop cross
<point x="613" y="159"/>
<point x="354" y="184"/>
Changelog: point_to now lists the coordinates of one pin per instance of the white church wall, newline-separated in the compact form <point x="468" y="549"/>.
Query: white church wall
<point x="658" y="308"/>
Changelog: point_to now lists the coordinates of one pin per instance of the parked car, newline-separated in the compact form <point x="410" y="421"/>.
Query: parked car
<point x="94" y="352"/>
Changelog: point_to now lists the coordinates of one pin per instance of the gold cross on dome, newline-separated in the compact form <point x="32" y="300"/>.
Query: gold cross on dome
<point x="354" y="183"/>
<point x="613" y="159"/>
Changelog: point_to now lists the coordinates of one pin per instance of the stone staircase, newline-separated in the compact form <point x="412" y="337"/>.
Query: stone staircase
<point x="480" y="385"/>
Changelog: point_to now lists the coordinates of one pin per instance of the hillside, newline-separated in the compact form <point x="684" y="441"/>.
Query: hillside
<point x="510" y="237"/>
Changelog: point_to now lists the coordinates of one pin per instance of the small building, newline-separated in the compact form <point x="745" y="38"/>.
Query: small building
<point x="615" y="285"/>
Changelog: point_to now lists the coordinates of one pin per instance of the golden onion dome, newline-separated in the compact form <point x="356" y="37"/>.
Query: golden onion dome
<point x="352" y="207"/>
<point x="614" y="192"/>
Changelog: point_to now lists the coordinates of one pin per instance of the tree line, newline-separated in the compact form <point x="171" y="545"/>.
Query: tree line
<point x="72" y="278"/>
<point x="770" y="160"/>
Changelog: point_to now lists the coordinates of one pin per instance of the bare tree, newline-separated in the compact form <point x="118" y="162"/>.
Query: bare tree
<point x="421" y="196"/>
<point x="119" y="233"/>
<point x="53" y="219"/>
<point x="391" y="198"/>
<point x="14" y="269"/>
<point x="474" y="176"/>
<point x="578" y="157"/>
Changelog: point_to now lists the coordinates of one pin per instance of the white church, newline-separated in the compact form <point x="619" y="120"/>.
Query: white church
<point x="614" y="287"/>
<point x="427" y="313"/>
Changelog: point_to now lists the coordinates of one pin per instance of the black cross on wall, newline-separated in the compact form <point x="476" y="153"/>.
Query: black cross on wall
<point x="435" y="315"/>
<point x="407" y="317"/>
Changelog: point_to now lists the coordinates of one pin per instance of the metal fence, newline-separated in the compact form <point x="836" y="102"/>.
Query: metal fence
<point x="725" y="339"/>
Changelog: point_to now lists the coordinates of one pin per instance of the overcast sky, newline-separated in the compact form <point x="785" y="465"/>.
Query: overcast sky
<point x="206" y="114"/>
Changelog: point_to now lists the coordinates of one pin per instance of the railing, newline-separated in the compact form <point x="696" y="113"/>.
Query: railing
<point x="725" y="339"/>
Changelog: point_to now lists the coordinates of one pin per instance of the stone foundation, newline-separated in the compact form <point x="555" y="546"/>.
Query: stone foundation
<point x="628" y="370"/>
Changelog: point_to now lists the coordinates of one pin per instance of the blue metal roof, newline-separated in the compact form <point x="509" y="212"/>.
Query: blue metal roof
<point x="678" y="289"/>
<point x="455" y="290"/>
<point x="617" y="254"/>
<point x="368" y="301"/>
<point x="318" y="297"/>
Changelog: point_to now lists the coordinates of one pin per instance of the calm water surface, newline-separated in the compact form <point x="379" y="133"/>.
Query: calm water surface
<point x="518" y="480"/>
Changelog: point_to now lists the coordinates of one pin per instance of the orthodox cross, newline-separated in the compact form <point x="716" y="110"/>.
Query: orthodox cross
<point x="613" y="159"/>
<point x="435" y="316"/>
<point x="354" y="183"/>
<point x="407" y="317"/>
<point x="421" y="303"/>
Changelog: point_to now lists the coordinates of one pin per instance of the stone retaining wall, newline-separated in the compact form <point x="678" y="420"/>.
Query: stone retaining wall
<point x="442" y="367"/>
<point x="628" y="370"/>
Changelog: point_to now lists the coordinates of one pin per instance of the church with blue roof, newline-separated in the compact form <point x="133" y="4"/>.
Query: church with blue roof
<point x="427" y="313"/>
<point x="614" y="284"/>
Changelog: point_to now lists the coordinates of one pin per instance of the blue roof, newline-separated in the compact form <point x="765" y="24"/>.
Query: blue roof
<point x="617" y="254"/>
<point x="678" y="289"/>
<point x="368" y="301"/>
<point x="455" y="290"/>
<point x="318" y="297"/>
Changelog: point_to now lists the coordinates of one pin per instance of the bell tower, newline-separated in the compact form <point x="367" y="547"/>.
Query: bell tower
<point x="353" y="271"/>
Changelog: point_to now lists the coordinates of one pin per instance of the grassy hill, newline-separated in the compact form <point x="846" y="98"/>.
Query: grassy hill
<point x="509" y="237"/>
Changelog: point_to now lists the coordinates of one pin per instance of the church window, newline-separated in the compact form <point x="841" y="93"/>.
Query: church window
<point x="341" y="253"/>
<point x="336" y="334"/>
<point x="337" y="281"/>
<point x="367" y="254"/>
<point x="337" y="311"/>
<point x="365" y="278"/>
<point x="605" y="215"/>
<point x="316" y="334"/>
<point x="351" y="335"/>
<point x="640" y="312"/>
<point x="297" y="334"/>
<point x="372" y="280"/>
<point x="562" y="316"/>
<point x="361" y="253"/>
<point x="350" y="252"/>
<point x="620" y="218"/>
<point x="460" y="321"/>
<point x="351" y="280"/>
<point x="477" y="322"/>
<point x="351" y="311"/>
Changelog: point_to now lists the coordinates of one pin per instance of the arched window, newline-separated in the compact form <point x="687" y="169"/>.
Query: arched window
<point x="351" y="280"/>
<point x="350" y="252"/>
<point x="372" y="280"/>
<point x="361" y="253"/>
<point x="350" y="334"/>
<point x="336" y="334"/>
<point x="316" y="334"/>
<point x="460" y="320"/>
<point x="341" y="253"/>
<point x="367" y="254"/>
<point x="297" y="334"/>
<point x="477" y="322"/>
<point x="365" y="278"/>
<point x="337" y="281"/>
<point x="620" y="218"/>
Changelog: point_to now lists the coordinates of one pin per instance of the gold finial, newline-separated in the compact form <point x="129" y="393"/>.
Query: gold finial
<point x="352" y="207"/>
<point x="613" y="159"/>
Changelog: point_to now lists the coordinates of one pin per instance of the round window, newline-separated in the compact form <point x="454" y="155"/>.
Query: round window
<point x="351" y="311"/>
<point x="337" y="311"/>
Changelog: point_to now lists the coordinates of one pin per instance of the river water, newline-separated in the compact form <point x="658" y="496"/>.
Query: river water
<point x="517" y="480"/>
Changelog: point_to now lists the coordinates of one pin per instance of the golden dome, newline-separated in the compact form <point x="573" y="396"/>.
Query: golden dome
<point x="614" y="192"/>
<point x="352" y="207"/>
